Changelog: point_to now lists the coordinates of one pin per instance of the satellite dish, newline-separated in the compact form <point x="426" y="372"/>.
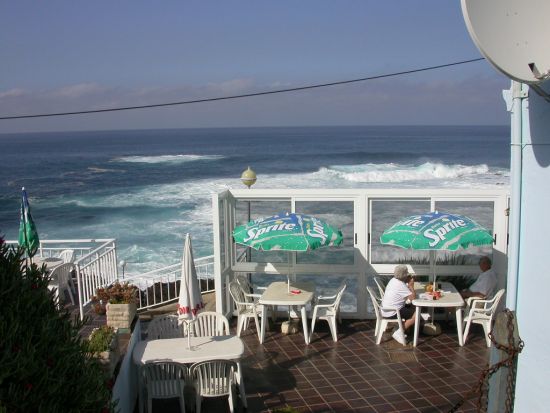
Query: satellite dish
<point x="513" y="35"/>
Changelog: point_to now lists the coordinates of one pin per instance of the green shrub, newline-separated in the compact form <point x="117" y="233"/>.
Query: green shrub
<point x="100" y="339"/>
<point x="44" y="365"/>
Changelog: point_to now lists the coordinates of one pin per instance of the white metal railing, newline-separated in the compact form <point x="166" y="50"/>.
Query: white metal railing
<point x="161" y="286"/>
<point x="96" y="269"/>
<point x="95" y="263"/>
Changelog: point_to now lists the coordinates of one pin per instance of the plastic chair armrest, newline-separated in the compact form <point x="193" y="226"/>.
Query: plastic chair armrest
<point x="324" y="305"/>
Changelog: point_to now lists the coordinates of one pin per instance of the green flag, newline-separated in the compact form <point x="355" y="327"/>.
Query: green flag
<point x="28" y="235"/>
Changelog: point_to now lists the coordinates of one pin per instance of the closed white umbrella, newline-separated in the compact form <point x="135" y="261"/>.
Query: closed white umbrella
<point x="190" y="301"/>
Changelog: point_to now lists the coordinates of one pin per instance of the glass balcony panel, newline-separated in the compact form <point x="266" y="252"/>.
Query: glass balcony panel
<point x="259" y="209"/>
<point x="385" y="213"/>
<point x="338" y="214"/>
<point x="480" y="211"/>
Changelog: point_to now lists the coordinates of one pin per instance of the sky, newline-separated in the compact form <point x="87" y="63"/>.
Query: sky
<point x="59" y="56"/>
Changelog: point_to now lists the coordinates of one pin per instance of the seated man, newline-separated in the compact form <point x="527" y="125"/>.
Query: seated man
<point x="399" y="289"/>
<point x="486" y="283"/>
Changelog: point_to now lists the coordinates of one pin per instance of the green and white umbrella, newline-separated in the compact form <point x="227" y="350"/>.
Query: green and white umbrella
<point x="436" y="231"/>
<point x="28" y="235"/>
<point x="287" y="232"/>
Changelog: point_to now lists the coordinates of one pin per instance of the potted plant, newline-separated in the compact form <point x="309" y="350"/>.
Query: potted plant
<point x="103" y="344"/>
<point x="120" y="301"/>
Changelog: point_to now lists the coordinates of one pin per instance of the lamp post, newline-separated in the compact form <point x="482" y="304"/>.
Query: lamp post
<point x="248" y="178"/>
<point x="122" y="263"/>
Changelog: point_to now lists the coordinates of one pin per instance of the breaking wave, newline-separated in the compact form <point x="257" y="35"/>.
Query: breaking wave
<point x="174" y="159"/>
<point x="390" y="172"/>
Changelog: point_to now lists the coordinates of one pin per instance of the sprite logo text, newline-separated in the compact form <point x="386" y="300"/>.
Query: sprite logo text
<point x="439" y="234"/>
<point x="255" y="233"/>
<point x="317" y="231"/>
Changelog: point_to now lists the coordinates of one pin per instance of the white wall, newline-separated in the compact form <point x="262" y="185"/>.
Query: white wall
<point x="533" y="302"/>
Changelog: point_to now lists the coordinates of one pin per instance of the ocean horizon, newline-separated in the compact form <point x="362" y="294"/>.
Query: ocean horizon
<point x="148" y="188"/>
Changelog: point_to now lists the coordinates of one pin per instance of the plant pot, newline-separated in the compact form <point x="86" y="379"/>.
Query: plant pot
<point x="121" y="315"/>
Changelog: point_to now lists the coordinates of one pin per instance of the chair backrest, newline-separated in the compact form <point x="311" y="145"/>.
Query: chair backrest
<point x="165" y="379"/>
<point x="247" y="288"/>
<point x="165" y="326"/>
<point x="213" y="377"/>
<point x="380" y="285"/>
<point x="237" y="294"/>
<point x="244" y="283"/>
<point x="67" y="256"/>
<point x="492" y="304"/>
<point x="210" y="324"/>
<point x="339" y="296"/>
<point x="61" y="274"/>
<point x="375" y="302"/>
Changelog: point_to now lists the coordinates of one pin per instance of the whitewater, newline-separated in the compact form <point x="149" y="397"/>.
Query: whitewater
<point x="148" y="188"/>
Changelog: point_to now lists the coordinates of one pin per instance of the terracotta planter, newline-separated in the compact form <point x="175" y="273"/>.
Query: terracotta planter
<point x="121" y="315"/>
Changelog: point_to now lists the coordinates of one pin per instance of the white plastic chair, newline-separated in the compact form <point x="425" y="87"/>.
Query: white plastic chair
<point x="380" y="285"/>
<point x="328" y="308"/>
<point x="67" y="256"/>
<point x="210" y="324"/>
<point x="249" y="294"/>
<point x="214" y="378"/>
<point x="165" y="326"/>
<point x="61" y="280"/>
<point x="165" y="380"/>
<point x="245" y="308"/>
<point x="381" y="322"/>
<point x="481" y="312"/>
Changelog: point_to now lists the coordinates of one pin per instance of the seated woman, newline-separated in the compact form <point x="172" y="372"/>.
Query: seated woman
<point x="399" y="289"/>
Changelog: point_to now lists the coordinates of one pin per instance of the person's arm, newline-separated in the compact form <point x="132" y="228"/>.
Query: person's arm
<point x="410" y="284"/>
<point x="467" y="294"/>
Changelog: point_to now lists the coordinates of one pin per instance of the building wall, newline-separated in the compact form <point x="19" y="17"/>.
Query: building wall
<point x="533" y="295"/>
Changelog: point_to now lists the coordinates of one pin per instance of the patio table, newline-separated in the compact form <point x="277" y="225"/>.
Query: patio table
<point x="202" y="349"/>
<point x="449" y="299"/>
<point x="277" y="295"/>
<point x="51" y="262"/>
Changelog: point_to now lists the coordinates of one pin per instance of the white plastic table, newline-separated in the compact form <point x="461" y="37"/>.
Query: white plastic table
<point x="202" y="349"/>
<point x="447" y="300"/>
<point x="277" y="294"/>
<point x="51" y="262"/>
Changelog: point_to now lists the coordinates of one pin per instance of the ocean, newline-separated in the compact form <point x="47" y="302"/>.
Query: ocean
<point x="147" y="188"/>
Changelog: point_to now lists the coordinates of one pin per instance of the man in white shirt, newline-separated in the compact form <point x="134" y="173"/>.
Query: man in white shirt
<point x="399" y="289"/>
<point x="486" y="283"/>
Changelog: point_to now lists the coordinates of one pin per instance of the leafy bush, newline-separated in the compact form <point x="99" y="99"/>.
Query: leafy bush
<point x="117" y="294"/>
<point x="44" y="364"/>
<point x="100" y="339"/>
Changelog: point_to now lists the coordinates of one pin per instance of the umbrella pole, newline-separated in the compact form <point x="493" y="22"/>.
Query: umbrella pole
<point x="432" y="266"/>
<point x="188" y="327"/>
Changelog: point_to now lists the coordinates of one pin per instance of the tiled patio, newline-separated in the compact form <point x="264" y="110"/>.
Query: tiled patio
<point x="354" y="374"/>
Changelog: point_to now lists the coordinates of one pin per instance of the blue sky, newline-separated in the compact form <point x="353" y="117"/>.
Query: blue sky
<point x="60" y="56"/>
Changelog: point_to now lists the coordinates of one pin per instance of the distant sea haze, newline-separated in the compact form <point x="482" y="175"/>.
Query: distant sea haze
<point x="147" y="188"/>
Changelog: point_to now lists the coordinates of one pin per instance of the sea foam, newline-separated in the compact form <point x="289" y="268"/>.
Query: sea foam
<point x="167" y="158"/>
<point x="391" y="173"/>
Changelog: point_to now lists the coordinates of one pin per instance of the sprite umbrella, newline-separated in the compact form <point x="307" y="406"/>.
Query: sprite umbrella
<point x="436" y="231"/>
<point x="287" y="232"/>
<point x="190" y="300"/>
<point x="28" y="235"/>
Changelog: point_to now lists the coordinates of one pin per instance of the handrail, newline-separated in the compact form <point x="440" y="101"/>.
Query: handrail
<point x="161" y="286"/>
<point x="96" y="267"/>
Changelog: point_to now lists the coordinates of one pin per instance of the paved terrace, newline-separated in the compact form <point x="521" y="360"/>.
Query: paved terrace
<point x="354" y="374"/>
